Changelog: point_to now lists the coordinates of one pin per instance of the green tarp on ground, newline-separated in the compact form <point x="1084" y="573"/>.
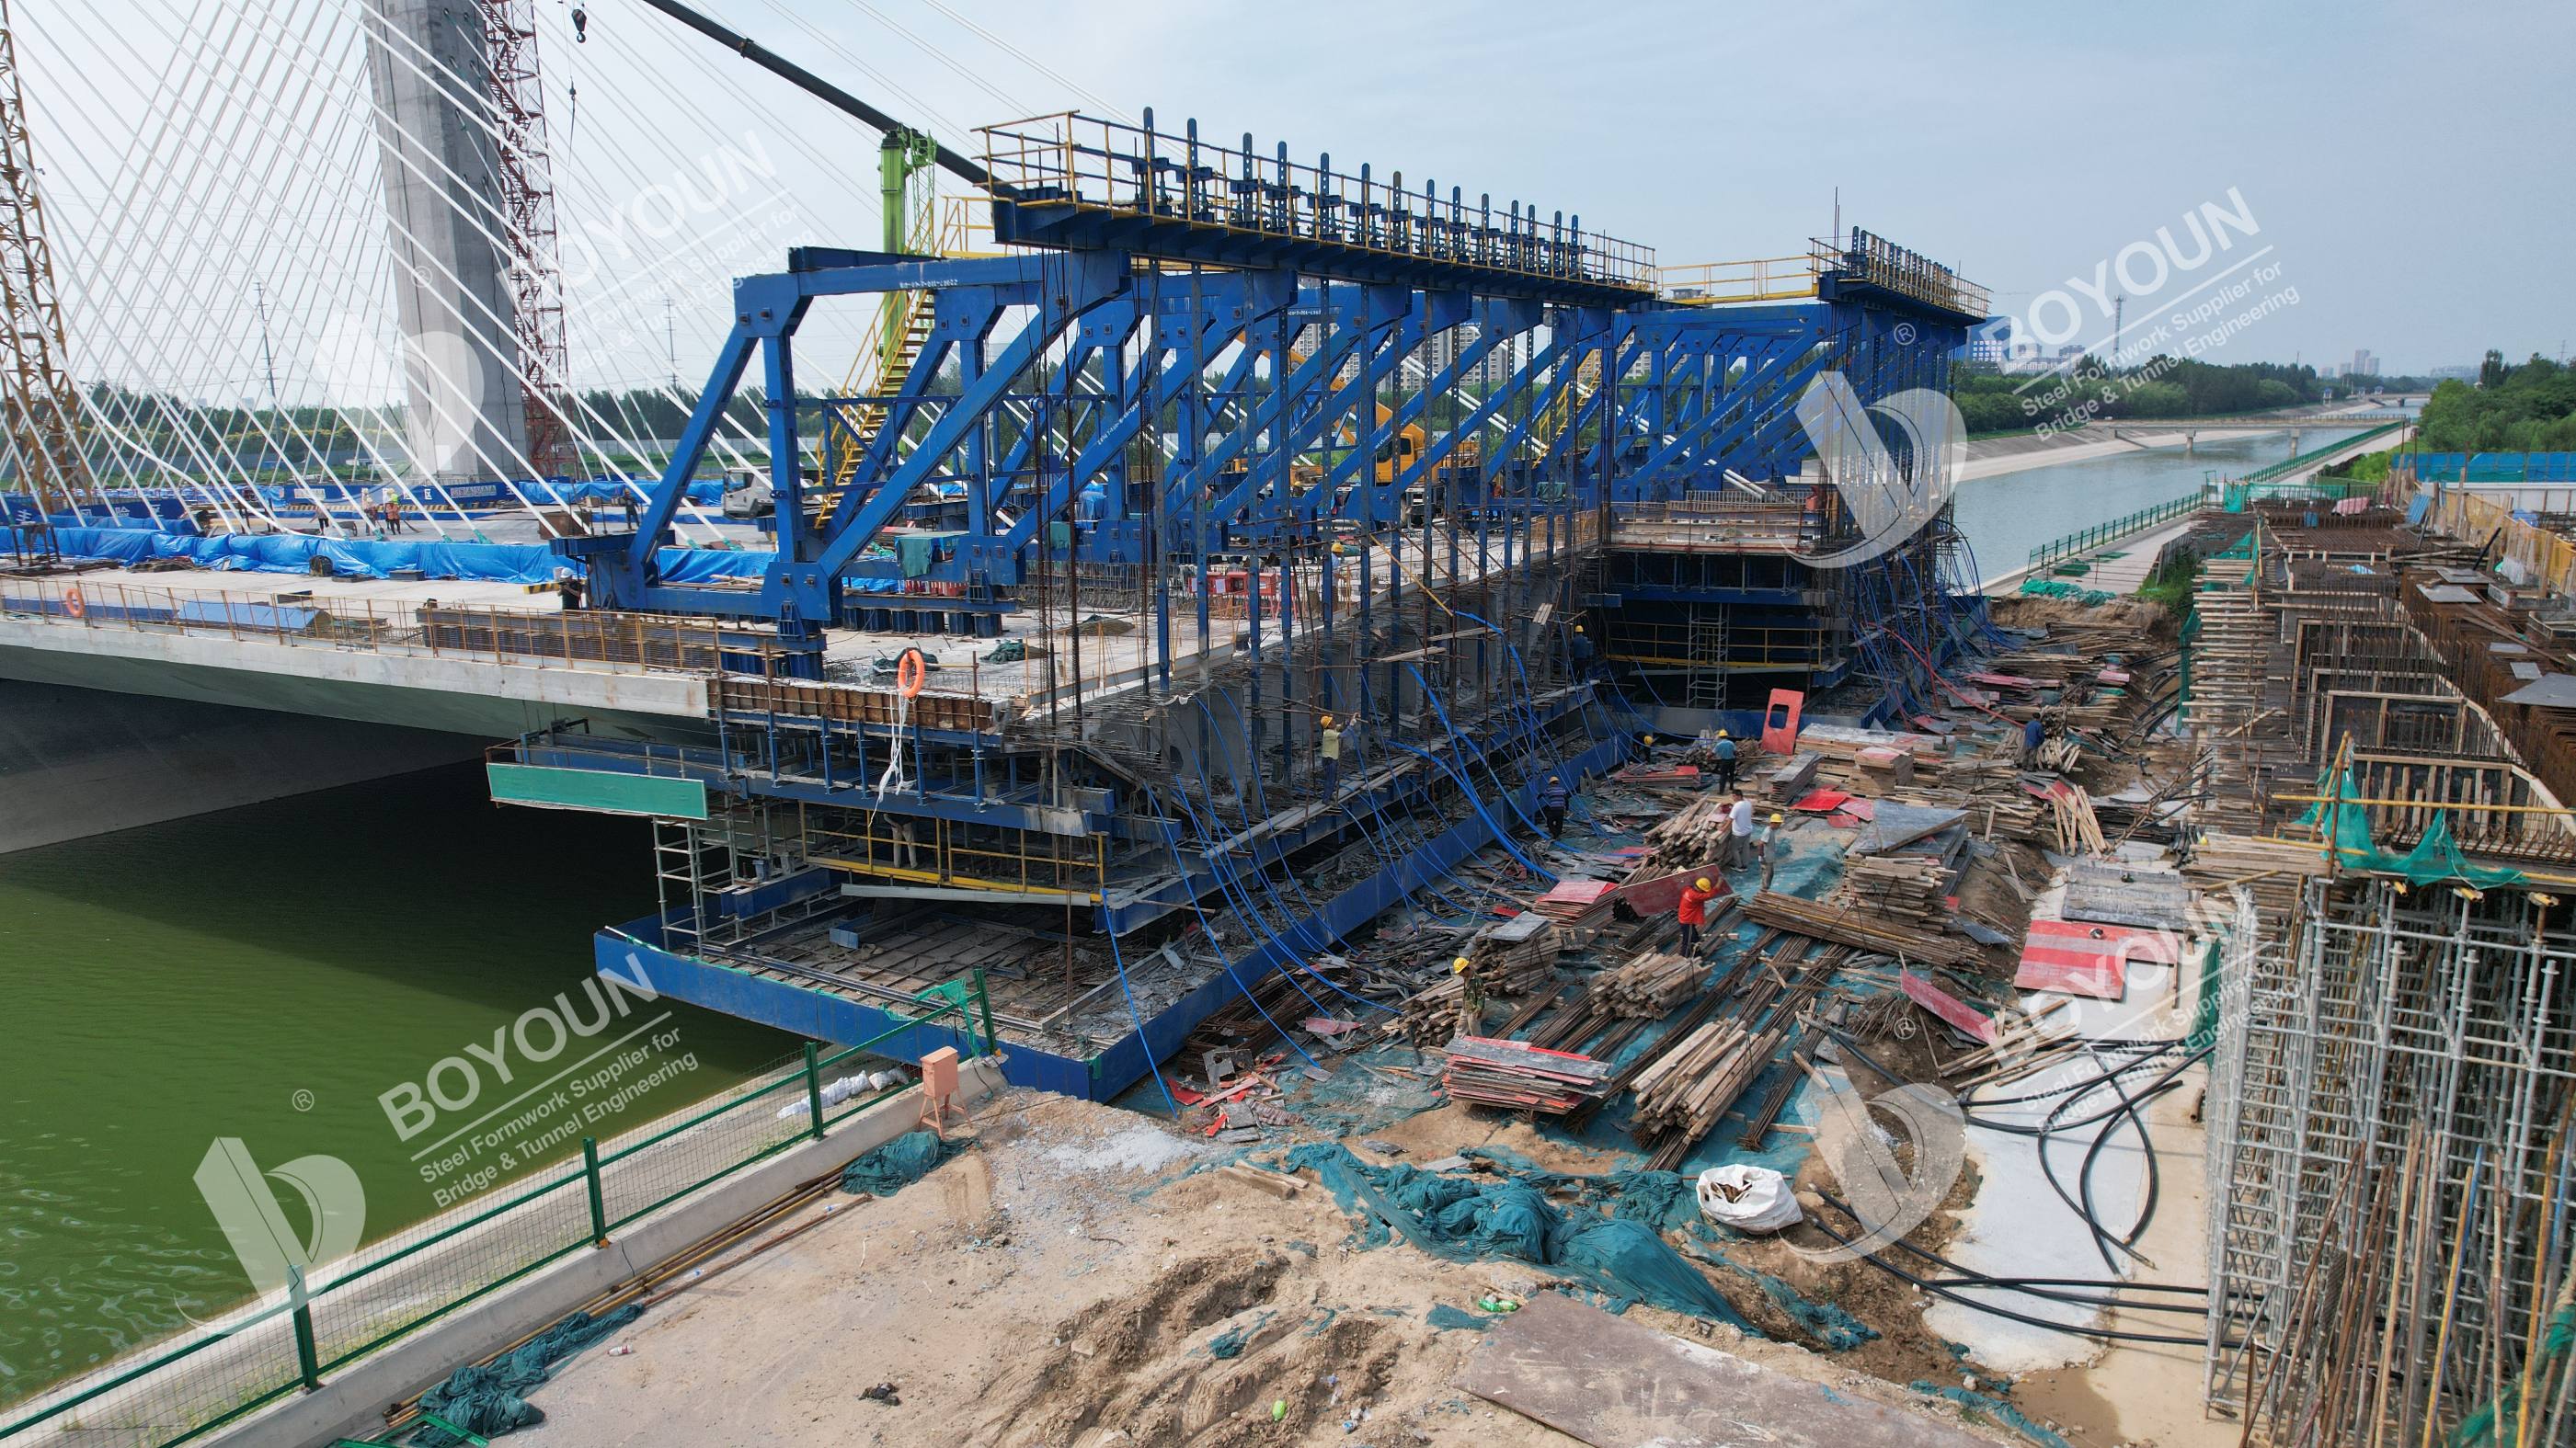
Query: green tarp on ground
<point x="1466" y="1219"/>
<point x="883" y="1171"/>
<point x="490" y="1399"/>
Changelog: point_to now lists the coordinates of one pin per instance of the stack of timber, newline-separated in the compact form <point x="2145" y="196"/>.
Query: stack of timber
<point x="1431" y="1015"/>
<point x="1517" y="956"/>
<point x="1649" y="986"/>
<point x="2071" y="811"/>
<point x="1522" y="1077"/>
<point x="1682" y="1095"/>
<point x="1863" y="930"/>
<point x="1792" y="778"/>
<point x="1907" y="889"/>
<point x="2230" y="661"/>
<point x="2272" y="871"/>
<point x="1689" y="839"/>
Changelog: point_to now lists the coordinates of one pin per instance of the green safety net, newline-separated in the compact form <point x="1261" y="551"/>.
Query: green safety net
<point x="2496" y="1422"/>
<point x="490" y="1399"/>
<point x="2345" y="823"/>
<point x="882" y="1171"/>
<point x="1465" y="1219"/>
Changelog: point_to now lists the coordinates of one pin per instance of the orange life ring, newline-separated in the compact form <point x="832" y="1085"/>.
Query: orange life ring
<point x="73" y="603"/>
<point x="910" y="673"/>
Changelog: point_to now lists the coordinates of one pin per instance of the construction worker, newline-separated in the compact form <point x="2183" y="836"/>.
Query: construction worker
<point x="1552" y="801"/>
<point x="1471" y="999"/>
<point x="1329" y="742"/>
<point x="1725" y="751"/>
<point x="1692" y="912"/>
<point x="2033" y="734"/>
<point x="1739" y="832"/>
<point x="1774" y="846"/>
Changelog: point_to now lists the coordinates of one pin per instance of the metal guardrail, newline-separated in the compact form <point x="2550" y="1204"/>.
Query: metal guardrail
<point x="548" y="638"/>
<point x="2316" y="456"/>
<point x="181" y="1394"/>
<point x="1070" y="159"/>
<point x="2088" y="539"/>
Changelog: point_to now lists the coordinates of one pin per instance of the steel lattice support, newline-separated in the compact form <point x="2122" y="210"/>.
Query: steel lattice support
<point x="2420" y="1039"/>
<point x="40" y="409"/>
<point x="527" y="201"/>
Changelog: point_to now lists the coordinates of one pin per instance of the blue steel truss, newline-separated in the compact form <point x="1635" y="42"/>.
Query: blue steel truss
<point x="1127" y="410"/>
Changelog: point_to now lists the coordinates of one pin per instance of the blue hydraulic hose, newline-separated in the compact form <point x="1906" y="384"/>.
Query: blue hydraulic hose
<point x="1221" y="956"/>
<point x="1240" y="900"/>
<point x="1119" y="959"/>
<point x="1314" y="917"/>
<point x="1468" y="746"/>
<point x="1529" y="695"/>
<point x="1501" y="836"/>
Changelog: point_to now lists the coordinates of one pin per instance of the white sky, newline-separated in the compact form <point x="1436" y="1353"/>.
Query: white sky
<point x="2407" y="166"/>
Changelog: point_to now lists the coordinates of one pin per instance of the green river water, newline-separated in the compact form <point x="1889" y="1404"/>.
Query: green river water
<point x="265" y="974"/>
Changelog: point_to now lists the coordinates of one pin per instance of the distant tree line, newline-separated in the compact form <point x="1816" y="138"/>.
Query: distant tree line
<point x="2526" y="408"/>
<point x="1992" y="401"/>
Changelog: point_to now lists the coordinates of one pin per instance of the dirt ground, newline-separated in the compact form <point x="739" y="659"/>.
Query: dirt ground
<point x="1063" y="1282"/>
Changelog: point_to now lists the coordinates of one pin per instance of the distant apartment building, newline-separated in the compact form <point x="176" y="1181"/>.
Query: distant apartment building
<point x="2365" y="363"/>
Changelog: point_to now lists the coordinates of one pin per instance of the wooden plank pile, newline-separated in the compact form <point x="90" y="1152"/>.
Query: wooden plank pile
<point x="1906" y="889"/>
<point x="1690" y="838"/>
<point x="1516" y="957"/>
<point x="1522" y="1077"/>
<point x="1430" y="1016"/>
<point x="2272" y="872"/>
<point x="1649" y="986"/>
<point x="1689" y="1087"/>
<point x="1576" y="902"/>
<point x="1794" y="777"/>
<point x="1862" y="930"/>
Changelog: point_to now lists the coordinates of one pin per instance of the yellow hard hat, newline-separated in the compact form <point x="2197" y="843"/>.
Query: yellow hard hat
<point x="1327" y="721"/>
<point x="1702" y="882"/>
<point x="1779" y="819"/>
<point x="1650" y="741"/>
<point x="1721" y="734"/>
<point x="1459" y="965"/>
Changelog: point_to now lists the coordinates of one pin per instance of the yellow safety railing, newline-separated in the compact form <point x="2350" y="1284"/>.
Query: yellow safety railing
<point x="921" y="851"/>
<point x="1748" y="646"/>
<point x="1763" y="279"/>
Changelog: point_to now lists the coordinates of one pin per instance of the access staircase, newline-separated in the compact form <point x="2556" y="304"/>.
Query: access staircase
<point x="902" y="329"/>
<point x="1708" y="659"/>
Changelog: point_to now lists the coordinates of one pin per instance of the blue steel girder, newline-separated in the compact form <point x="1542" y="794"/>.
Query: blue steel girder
<point x="1257" y="295"/>
<point x="1299" y="407"/>
<point x="815" y="586"/>
<point x="1440" y="312"/>
<point x="1684" y="446"/>
<point x="1567" y="357"/>
<point x="1769" y="341"/>
<point x="768" y="308"/>
<point x="1504" y="320"/>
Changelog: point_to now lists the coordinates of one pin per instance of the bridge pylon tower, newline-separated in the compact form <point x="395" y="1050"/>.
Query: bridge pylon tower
<point x="39" y="404"/>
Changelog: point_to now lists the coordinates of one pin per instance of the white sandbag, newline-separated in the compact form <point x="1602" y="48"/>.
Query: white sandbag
<point x="836" y="1092"/>
<point x="1748" y="1198"/>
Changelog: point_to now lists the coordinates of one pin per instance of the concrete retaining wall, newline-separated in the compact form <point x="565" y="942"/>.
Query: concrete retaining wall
<point x="352" y="1401"/>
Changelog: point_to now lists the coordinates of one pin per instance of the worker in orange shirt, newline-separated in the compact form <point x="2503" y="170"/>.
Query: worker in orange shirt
<point x="1693" y="913"/>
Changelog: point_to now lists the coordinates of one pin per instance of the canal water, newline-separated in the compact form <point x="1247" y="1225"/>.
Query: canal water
<point x="265" y="974"/>
<point x="2005" y="517"/>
